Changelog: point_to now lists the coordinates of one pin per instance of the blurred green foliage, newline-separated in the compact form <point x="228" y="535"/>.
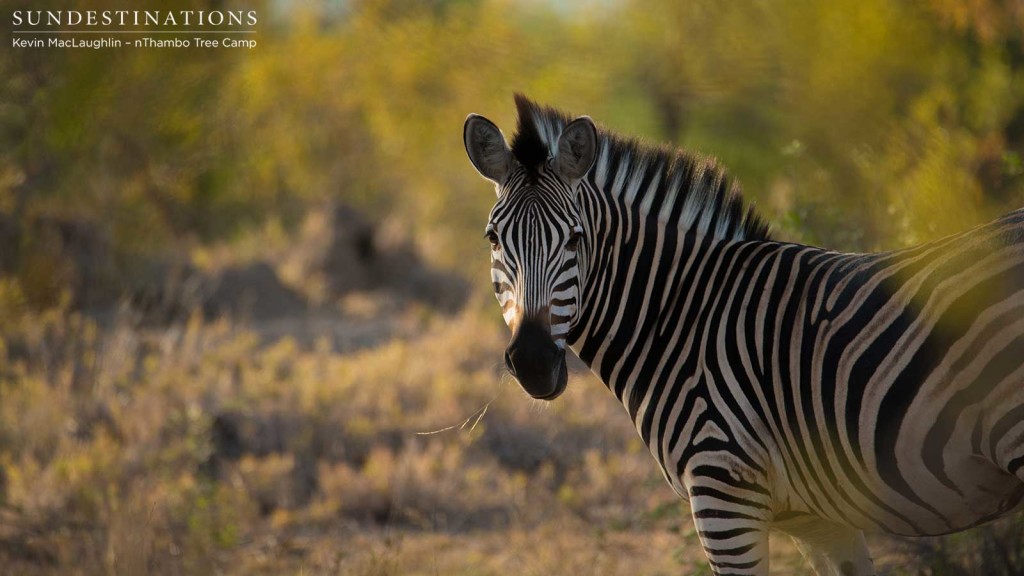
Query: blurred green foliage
<point x="859" y="125"/>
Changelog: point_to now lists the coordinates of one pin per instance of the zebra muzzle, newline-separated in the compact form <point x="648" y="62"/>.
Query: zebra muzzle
<point x="537" y="362"/>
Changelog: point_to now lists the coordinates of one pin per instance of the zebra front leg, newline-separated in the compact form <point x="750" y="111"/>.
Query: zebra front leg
<point x="832" y="549"/>
<point x="734" y="534"/>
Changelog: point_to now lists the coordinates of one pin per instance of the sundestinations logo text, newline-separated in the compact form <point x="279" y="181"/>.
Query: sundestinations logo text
<point x="99" y="29"/>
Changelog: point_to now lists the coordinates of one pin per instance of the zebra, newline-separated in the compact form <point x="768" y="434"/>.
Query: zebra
<point x="777" y="385"/>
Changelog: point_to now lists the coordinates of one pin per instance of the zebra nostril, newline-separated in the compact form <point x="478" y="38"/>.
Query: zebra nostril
<point x="508" y="363"/>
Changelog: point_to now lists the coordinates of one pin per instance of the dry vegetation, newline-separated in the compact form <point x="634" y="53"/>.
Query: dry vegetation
<point x="282" y="444"/>
<point x="198" y="449"/>
<point x="240" y="427"/>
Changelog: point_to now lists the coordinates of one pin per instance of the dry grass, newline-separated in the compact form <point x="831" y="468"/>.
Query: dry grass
<point x="202" y="448"/>
<point x="208" y="448"/>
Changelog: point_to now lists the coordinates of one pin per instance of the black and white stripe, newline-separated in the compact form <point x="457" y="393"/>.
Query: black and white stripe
<point x="777" y="385"/>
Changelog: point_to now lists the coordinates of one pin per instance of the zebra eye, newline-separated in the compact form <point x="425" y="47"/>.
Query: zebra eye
<point x="492" y="237"/>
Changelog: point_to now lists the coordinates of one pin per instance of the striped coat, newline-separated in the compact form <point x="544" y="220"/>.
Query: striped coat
<point x="778" y="386"/>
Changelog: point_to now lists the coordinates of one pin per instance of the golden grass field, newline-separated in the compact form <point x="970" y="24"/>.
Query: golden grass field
<point x="203" y="449"/>
<point x="379" y="439"/>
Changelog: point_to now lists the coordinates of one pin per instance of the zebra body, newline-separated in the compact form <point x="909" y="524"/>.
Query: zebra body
<point x="777" y="385"/>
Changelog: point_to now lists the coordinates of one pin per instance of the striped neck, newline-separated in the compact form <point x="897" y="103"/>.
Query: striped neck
<point x="648" y="211"/>
<point x="651" y="217"/>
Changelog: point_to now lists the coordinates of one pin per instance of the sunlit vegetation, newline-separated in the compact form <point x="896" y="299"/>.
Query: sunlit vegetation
<point x="210" y="363"/>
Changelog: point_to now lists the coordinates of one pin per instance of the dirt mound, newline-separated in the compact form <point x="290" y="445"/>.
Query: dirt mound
<point x="252" y="291"/>
<point x="340" y="251"/>
<point x="336" y="245"/>
<point x="52" y="256"/>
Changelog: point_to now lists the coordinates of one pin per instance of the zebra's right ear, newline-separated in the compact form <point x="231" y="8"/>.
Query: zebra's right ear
<point x="487" y="149"/>
<point x="577" y="148"/>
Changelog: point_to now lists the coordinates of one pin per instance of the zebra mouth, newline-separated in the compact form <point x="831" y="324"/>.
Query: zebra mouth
<point x="536" y="361"/>
<point x="559" y="377"/>
<point x="544" y="387"/>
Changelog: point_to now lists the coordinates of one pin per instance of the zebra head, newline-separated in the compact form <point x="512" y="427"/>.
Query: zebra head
<point x="538" y="241"/>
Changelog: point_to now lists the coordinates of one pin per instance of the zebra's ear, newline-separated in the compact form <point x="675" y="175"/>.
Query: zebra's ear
<point x="577" y="148"/>
<point x="486" y="147"/>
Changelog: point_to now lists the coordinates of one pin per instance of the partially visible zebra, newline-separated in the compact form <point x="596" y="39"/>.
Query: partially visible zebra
<point x="777" y="385"/>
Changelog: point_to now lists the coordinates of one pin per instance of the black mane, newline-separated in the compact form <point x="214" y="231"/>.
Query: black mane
<point x="537" y="132"/>
<point x="703" y="195"/>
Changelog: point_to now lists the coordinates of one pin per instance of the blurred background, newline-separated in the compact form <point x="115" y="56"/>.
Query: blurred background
<point x="245" y="321"/>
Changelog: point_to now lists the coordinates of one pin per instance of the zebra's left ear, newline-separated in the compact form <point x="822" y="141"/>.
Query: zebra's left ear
<point x="577" y="148"/>
<point x="486" y="147"/>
